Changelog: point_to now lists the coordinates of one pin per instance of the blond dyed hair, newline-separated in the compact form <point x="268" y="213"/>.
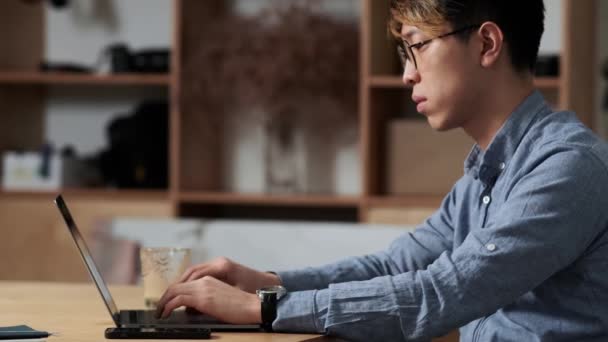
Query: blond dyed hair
<point x="427" y="15"/>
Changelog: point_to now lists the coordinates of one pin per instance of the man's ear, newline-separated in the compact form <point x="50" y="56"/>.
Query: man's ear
<point x="492" y="43"/>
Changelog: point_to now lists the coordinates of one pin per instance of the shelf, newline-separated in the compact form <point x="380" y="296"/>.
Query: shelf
<point x="61" y="78"/>
<point x="547" y="82"/>
<point x="96" y="193"/>
<point x="390" y="201"/>
<point x="397" y="82"/>
<point x="386" y="82"/>
<point x="271" y="200"/>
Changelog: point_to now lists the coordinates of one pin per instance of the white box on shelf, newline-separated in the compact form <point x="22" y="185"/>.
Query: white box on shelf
<point x="24" y="171"/>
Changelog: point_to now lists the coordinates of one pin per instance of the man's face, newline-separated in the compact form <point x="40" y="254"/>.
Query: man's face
<point x="446" y="80"/>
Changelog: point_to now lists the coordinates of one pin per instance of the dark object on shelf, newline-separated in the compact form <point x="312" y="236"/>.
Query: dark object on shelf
<point x="59" y="3"/>
<point x="120" y="58"/>
<point x="142" y="61"/>
<point x="137" y="156"/>
<point x="547" y="66"/>
<point x="64" y="67"/>
<point x="151" y="60"/>
<point x="55" y="3"/>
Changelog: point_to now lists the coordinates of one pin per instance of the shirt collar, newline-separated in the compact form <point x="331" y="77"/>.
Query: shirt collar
<point x="487" y="165"/>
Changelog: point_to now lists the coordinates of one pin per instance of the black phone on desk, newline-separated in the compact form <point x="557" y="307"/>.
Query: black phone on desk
<point x="158" y="333"/>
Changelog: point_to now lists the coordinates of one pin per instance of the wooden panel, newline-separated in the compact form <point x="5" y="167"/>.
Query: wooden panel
<point x="412" y="201"/>
<point x="22" y="117"/>
<point x="384" y="104"/>
<point x="200" y="156"/>
<point x="100" y="194"/>
<point x="264" y="199"/>
<point x="579" y="58"/>
<point x="383" y="49"/>
<point x="365" y="133"/>
<point x="398" y="216"/>
<point x="200" y="130"/>
<point x="423" y="161"/>
<point x="175" y="104"/>
<point x="56" y="78"/>
<point x="548" y="82"/>
<point x="21" y="34"/>
<point x="387" y="82"/>
<point x="35" y="242"/>
<point x="374" y="158"/>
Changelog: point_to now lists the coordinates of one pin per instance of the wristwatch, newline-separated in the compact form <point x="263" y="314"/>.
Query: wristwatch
<point x="269" y="297"/>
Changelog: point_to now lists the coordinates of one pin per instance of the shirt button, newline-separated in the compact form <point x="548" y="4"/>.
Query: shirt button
<point x="486" y="199"/>
<point x="491" y="247"/>
<point x="502" y="166"/>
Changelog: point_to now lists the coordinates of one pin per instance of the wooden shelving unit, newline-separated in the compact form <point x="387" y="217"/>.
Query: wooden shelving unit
<point x="424" y="200"/>
<point x="195" y="172"/>
<point x="273" y="200"/>
<point x="386" y="82"/>
<point x="56" y="78"/>
<point x="548" y="82"/>
<point x="108" y="194"/>
<point x="397" y="82"/>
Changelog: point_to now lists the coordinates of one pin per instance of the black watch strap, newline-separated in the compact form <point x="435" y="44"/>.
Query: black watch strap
<point x="269" y="311"/>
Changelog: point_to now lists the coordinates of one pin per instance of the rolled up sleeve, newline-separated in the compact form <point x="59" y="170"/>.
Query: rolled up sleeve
<point x="411" y="251"/>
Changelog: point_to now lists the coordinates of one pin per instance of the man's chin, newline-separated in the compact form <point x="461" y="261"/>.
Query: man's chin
<point x="440" y="123"/>
<point x="437" y="124"/>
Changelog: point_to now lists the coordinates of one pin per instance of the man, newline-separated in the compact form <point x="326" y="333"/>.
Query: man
<point x="518" y="250"/>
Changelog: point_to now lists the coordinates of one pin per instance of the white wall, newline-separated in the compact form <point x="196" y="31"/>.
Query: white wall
<point x="551" y="42"/>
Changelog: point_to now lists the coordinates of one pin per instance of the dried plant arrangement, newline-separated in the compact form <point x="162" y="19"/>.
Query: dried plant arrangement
<point x="292" y="65"/>
<point x="295" y="63"/>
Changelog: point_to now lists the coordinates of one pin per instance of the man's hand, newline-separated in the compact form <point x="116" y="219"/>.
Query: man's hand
<point x="232" y="273"/>
<point x="214" y="298"/>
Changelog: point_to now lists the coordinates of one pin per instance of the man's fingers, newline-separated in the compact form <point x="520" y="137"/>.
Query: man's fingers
<point x="173" y="291"/>
<point x="198" y="274"/>
<point x="176" y="302"/>
<point x="188" y="273"/>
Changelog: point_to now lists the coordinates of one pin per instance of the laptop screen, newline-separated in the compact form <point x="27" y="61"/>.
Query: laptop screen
<point x="88" y="259"/>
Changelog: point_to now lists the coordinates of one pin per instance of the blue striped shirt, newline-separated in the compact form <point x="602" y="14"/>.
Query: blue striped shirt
<point x="518" y="250"/>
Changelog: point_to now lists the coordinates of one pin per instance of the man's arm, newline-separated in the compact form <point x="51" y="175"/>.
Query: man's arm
<point x="410" y="252"/>
<point x="554" y="212"/>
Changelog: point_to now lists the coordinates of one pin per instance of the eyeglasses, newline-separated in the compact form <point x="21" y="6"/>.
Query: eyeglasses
<point x="406" y="51"/>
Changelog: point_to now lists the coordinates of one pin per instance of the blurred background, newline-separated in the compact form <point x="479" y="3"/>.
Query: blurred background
<point x="274" y="132"/>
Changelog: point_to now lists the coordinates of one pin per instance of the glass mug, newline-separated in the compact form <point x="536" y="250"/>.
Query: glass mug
<point x="160" y="267"/>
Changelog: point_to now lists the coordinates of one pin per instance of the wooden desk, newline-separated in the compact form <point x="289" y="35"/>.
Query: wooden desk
<point x="77" y="313"/>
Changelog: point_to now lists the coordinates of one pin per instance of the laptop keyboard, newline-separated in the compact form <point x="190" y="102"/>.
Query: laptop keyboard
<point x="176" y="317"/>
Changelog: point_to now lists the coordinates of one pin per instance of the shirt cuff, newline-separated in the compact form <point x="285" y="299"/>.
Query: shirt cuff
<point x="303" y="311"/>
<point x="300" y="280"/>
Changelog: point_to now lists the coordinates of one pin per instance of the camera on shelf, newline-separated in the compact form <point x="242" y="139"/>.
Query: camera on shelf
<point x="150" y="60"/>
<point x="137" y="154"/>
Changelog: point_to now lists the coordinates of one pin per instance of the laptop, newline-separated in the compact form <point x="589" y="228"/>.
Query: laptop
<point x="141" y="318"/>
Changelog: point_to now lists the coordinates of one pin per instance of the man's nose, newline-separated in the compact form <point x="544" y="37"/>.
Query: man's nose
<point x="410" y="74"/>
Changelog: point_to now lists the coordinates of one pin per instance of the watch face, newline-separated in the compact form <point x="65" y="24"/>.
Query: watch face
<point x="280" y="291"/>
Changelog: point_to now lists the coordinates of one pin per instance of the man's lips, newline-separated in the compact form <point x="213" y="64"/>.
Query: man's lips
<point x="420" y="101"/>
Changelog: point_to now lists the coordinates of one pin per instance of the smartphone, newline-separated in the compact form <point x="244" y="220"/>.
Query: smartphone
<point x="158" y="333"/>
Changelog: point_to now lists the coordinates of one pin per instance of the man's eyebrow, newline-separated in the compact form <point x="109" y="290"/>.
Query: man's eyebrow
<point x="410" y="33"/>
